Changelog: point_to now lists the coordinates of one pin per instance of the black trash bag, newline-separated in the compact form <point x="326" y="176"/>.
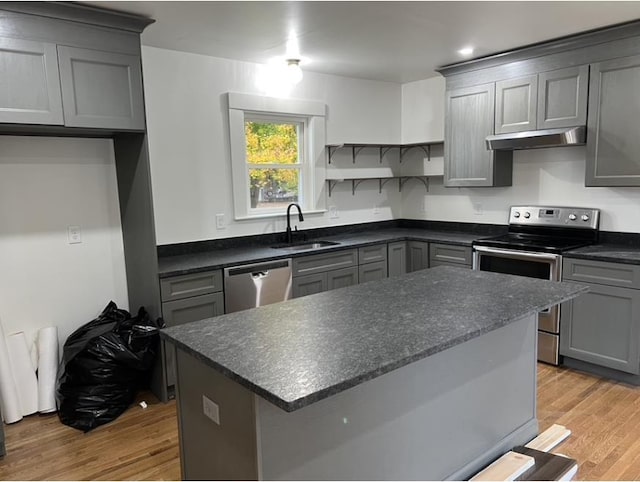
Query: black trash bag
<point x="104" y="364"/>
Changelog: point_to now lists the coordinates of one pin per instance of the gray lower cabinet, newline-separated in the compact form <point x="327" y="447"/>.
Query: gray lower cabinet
<point x="417" y="255"/>
<point x="101" y="90"/>
<point x="469" y="119"/>
<point x="516" y="104"/>
<point x="188" y="298"/>
<point x="3" y="451"/>
<point x="372" y="271"/>
<point x="309" y="284"/>
<point x="602" y="326"/>
<point x="341" y="278"/>
<point x="613" y="143"/>
<point x="449" y="254"/>
<point x="29" y="83"/>
<point x="397" y="258"/>
<point x="563" y="97"/>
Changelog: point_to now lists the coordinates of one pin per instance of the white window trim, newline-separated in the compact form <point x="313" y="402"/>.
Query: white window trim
<point x="313" y="172"/>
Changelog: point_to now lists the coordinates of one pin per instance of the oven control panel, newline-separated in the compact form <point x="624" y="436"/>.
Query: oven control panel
<point x="584" y="218"/>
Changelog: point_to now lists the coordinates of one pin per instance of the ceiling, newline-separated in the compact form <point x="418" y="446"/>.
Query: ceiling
<point x="381" y="40"/>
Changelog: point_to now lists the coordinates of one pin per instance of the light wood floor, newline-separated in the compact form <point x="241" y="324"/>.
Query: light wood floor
<point x="142" y="444"/>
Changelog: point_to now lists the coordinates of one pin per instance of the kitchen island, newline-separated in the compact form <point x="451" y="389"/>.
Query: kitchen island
<point x="430" y="376"/>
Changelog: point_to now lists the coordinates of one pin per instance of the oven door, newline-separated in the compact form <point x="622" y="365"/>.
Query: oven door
<point x="523" y="263"/>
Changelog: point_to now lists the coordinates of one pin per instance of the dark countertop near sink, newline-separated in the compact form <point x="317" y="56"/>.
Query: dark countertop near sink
<point x="613" y="248"/>
<point x="220" y="258"/>
<point x="304" y="350"/>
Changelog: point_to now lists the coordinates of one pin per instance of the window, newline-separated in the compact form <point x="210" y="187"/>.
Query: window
<point x="277" y="155"/>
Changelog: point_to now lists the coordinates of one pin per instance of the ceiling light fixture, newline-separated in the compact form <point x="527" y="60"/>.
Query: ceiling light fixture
<point x="466" y="51"/>
<point x="292" y="59"/>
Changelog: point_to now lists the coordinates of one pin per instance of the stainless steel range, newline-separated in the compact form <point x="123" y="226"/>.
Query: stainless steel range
<point x="533" y="247"/>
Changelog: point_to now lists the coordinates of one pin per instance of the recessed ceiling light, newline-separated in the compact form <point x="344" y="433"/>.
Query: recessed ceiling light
<point x="466" y="52"/>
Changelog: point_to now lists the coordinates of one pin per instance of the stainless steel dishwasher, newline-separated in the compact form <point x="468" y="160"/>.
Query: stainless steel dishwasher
<point x="259" y="284"/>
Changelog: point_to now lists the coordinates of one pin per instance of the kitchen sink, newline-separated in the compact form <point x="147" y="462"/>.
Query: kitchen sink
<point x="306" y="245"/>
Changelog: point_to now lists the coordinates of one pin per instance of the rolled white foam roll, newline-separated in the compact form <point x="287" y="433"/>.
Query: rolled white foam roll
<point x="23" y="374"/>
<point x="11" y="411"/>
<point x="47" y="368"/>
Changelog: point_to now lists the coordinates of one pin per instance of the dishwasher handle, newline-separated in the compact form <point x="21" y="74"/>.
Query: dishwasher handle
<point x="256" y="270"/>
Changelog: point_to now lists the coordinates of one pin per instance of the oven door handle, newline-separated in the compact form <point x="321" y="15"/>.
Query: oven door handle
<point x="516" y="254"/>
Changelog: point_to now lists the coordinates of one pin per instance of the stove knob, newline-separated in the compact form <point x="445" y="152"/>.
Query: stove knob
<point x="572" y="217"/>
<point x="527" y="215"/>
<point x="516" y="214"/>
<point x="585" y="217"/>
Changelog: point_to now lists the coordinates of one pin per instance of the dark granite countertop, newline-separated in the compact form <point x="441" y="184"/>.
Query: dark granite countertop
<point x="612" y="253"/>
<point x="300" y="351"/>
<point x="221" y="258"/>
<point x="614" y="247"/>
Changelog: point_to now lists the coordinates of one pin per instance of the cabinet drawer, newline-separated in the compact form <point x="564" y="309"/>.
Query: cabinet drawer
<point x="318" y="263"/>
<point x="449" y="253"/>
<point x="188" y="285"/>
<point x="600" y="272"/>
<point x="372" y="254"/>
<point x="179" y="312"/>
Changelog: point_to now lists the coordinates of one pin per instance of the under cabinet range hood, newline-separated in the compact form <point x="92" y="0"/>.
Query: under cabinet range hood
<point x="569" y="136"/>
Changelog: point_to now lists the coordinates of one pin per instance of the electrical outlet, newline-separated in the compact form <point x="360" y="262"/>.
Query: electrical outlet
<point x="220" y="224"/>
<point x="333" y="212"/>
<point x="211" y="409"/>
<point x="477" y="209"/>
<point x="423" y="205"/>
<point x="376" y="209"/>
<point x="74" y="233"/>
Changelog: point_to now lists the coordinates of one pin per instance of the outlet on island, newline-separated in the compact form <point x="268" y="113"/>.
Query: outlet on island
<point x="211" y="409"/>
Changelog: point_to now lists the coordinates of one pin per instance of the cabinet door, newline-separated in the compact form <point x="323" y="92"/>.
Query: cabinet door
<point x="101" y="89"/>
<point x="372" y="271"/>
<point x="397" y="258"/>
<point x="29" y="83"/>
<point x="184" y="311"/>
<point x="418" y="255"/>
<point x="342" y="278"/>
<point x="562" y="97"/>
<point x="613" y="143"/>
<point x="516" y="104"/>
<point x="469" y="120"/>
<point x="602" y="327"/>
<point x="310" y="284"/>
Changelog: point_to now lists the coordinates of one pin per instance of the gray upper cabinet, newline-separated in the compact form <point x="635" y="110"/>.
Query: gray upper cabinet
<point x="613" y="143"/>
<point x="101" y="90"/>
<point x="516" y="105"/>
<point x="29" y="83"/>
<point x="469" y="119"/>
<point x="562" y="97"/>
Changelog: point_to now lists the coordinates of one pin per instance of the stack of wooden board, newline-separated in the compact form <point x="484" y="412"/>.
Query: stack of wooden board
<point x="533" y="461"/>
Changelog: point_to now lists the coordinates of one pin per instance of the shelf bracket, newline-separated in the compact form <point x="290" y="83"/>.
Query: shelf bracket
<point x="355" y="150"/>
<point x="425" y="148"/>
<point x="382" y="182"/>
<point x="333" y="149"/>
<point x="383" y="151"/>
<point x="331" y="184"/>
<point x="403" y="180"/>
<point x="354" y="184"/>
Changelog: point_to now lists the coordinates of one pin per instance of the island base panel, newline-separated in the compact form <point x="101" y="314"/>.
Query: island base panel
<point x="210" y="451"/>
<point x="443" y="417"/>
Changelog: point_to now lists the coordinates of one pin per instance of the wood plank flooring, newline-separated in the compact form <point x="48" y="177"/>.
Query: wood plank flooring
<point x="142" y="444"/>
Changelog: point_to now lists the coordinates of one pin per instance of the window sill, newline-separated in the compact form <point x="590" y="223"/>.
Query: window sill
<point x="252" y="217"/>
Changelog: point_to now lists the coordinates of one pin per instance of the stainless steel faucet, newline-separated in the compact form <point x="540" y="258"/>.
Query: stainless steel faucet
<point x="289" y="234"/>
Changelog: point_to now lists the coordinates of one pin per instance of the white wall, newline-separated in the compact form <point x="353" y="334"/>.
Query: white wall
<point x="544" y="176"/>
<point x="423" y="110"/>
<point x="187" y="119"/>
<point x="46" y="185"/>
